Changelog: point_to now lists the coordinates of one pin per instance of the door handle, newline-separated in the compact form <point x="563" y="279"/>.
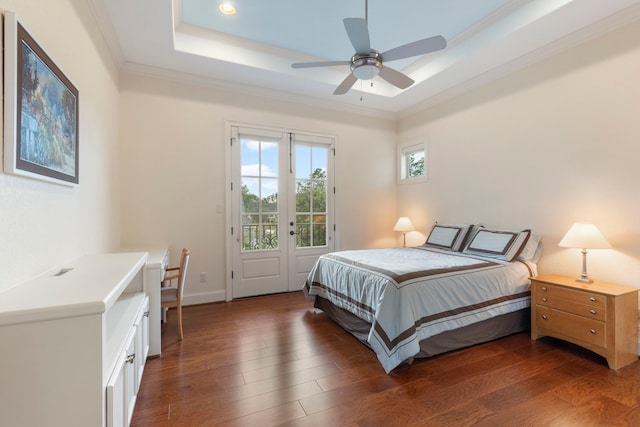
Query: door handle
<point x="292" y="232"/>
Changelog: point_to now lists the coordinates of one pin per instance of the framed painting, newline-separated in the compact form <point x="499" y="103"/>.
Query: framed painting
<point x="40" y="111"/>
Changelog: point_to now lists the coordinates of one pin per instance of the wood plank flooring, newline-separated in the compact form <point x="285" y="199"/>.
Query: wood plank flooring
<point x="276" y="361"/>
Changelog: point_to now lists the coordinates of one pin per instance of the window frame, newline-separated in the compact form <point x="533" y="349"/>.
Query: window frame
<point x="404" y="150"/>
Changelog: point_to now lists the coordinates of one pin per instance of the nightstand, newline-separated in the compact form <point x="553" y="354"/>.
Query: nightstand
<point x="598" y="316"/>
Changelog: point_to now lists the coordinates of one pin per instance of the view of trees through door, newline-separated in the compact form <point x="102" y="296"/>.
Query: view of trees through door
<point x="259" y="207"/>
<point x="311" y="196"/>
<point x="282" y="215"/>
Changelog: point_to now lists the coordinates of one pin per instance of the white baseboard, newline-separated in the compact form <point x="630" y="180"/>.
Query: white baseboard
<point x="203" y="297"/>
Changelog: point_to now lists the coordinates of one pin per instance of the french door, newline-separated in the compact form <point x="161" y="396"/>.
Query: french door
<point x="282" y="200"/>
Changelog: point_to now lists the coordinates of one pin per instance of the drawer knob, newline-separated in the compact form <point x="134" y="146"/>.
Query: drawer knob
<point x="592" y="299"/>
<point x="544" y="299"/>
<point x="544" y="316"/>
<point x="592" y="311"/>
<point x="544" y="288"/>
<point x="593" y="331"/>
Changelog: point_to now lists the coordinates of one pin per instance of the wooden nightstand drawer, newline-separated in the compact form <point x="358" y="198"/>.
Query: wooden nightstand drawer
<point x="577" y="296"/>
<point x="571" y="326"/>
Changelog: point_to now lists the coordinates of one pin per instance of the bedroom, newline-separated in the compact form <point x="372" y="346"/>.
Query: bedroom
<point x="572" y="157"/>
<point x="544" y="147"/>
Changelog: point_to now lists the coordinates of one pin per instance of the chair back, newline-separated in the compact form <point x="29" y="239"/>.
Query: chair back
<point x="184" y="263"/>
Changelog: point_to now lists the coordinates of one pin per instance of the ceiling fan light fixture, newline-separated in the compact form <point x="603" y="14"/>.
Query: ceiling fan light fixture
<point x="366" y="67"/>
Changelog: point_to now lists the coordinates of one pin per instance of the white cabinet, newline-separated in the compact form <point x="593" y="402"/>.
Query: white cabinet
<point x="129" y="318"/>
<point x="68" y="336"/>
<point x="125" y="380"/>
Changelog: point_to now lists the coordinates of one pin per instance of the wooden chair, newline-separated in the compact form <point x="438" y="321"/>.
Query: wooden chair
<point x="172" y="297"/>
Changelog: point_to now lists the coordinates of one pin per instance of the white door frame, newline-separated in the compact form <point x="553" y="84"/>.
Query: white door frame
<point x="229" y="212"/>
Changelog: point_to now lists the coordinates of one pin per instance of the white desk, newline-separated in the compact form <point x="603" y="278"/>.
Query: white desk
<point x="65" y="337"/>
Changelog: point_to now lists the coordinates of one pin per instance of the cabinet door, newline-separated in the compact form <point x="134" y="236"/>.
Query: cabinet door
<point x="145" y="334"/>
<point x="130" y="392"/>
<point x="115" y="396"/>
<point x="121" y="397"/>
<point x="142" y="342"/>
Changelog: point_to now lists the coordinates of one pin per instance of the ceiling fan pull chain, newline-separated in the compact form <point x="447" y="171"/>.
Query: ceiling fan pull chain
<point x="372" y="76"/>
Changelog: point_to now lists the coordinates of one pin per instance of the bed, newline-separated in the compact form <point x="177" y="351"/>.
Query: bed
<point x="464" y="286"/>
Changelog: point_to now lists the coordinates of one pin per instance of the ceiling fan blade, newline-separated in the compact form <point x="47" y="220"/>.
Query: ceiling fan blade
<point x="358" y="34"/>
<point x="345" y="85"/>
<point x="396" y="78"/>
<point x="419" y="47"/>
<point x="319" y="64"/>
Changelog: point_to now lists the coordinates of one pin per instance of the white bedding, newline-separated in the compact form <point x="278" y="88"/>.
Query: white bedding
<point x="409" y="294"/>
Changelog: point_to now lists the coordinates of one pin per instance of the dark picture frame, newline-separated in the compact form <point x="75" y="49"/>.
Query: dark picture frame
<point x="41" y="111"/>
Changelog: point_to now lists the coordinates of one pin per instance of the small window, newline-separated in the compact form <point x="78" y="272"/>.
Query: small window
<point x="413" y="162"/>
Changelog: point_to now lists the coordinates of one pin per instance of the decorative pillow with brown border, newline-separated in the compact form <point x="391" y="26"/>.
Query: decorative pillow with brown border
<point x="497" y="244"/>
<point x="447" y="236"/>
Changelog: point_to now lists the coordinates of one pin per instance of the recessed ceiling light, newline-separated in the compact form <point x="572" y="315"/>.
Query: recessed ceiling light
<point x="227" y="8"/>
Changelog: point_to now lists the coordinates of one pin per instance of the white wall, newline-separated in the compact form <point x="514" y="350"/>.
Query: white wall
<point x="554" y="144"/>
<point x="43" y="225"/>
<point x="173" y="170"/>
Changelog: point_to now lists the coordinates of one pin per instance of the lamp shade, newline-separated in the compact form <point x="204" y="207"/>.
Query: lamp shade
<point x="584" y="235"/>
<point x="404" y="224"/>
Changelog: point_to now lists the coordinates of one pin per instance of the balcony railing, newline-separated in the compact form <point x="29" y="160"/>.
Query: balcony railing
<point x="257" y="237"/>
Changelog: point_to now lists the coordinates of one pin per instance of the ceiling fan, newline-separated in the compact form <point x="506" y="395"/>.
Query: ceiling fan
<point x="368" y="63"/>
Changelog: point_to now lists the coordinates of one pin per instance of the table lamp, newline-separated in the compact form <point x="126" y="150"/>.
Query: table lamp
<point x="404" y="224"/>
<point x="584" y="235"/>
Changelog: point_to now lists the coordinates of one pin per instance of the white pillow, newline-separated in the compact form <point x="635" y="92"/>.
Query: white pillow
<point x="448" y="236"/>
<point x="532" y="250"/>
<point x="498" y="244"/>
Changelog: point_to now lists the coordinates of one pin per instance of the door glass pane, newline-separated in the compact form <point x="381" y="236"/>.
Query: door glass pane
<point x="269" y="193"/>
<point x="269" y="159"/>
<point x="303" y="161"/>
<point x="319" y="158"/>
<point x="319" y="237"/>
<point x="303" y="228"/>
<point x="269" y="231"/>
<point x="250" y="195"/>
<point x="303" y="235"/>
<point x="260" y="181"/>
<point x="311" y="195"/>
<point x="303" y="195"/>
<point x="319" y="190"/>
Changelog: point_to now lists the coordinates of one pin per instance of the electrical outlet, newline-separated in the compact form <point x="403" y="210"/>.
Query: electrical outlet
<point x="203" y="277"/>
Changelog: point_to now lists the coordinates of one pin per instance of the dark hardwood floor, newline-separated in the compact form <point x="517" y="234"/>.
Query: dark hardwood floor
<point x="275" y="360"/>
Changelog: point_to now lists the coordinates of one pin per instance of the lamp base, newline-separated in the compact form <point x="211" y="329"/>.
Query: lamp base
<point x="584" y="277"/>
